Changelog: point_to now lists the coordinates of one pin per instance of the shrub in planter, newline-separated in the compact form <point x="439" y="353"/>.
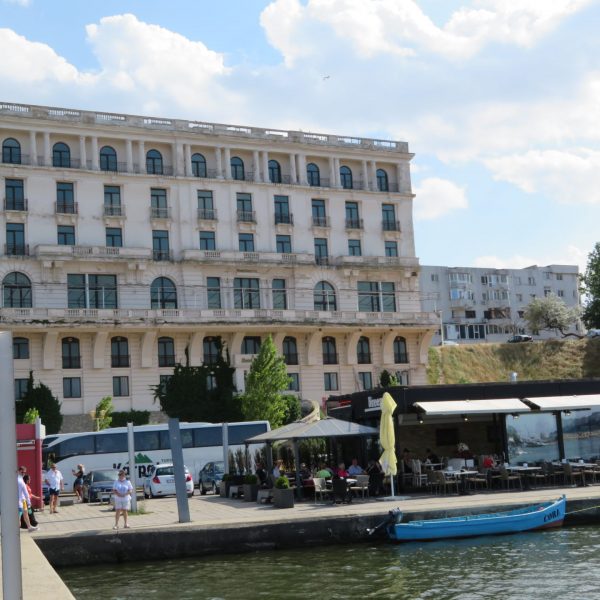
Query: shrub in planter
<point x="224" y="486"/>
<point x="250" y="488"/>
<point x="283" y="495"/>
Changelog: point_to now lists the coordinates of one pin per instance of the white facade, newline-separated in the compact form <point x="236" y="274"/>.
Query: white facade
<point x="487" y="305"/>
<point x="98" y="207"/>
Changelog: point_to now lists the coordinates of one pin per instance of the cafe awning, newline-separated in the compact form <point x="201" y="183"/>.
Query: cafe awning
<point x="471" y="407"/>
<point x="564" y="402"/>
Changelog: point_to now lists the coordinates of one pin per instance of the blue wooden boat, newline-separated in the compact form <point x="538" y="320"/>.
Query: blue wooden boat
<point x="528" y="518"/>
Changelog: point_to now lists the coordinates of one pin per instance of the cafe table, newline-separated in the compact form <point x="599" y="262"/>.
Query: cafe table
<point x="462" y="475"/>
<point x="526" y="470"/>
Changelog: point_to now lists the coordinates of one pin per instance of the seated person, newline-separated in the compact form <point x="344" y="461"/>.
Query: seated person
<point x="488" y="462"/>
<point x="375" y="473"/>
<point x="261" y="473"/>
<point x="431" y="457"/>
<point x="341" y="470"/>
<point x="407" y="460"/>
<point x="305" y="472"/>
<point x="278" y="469"/>
<point x="355" y="469"/>
<point x="324" y="472"/>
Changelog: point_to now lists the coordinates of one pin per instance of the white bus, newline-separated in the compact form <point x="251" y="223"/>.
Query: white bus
<point x="107" y="449"/>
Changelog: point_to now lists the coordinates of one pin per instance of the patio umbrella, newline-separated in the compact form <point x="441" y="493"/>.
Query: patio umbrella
<point x="387" y="438"/>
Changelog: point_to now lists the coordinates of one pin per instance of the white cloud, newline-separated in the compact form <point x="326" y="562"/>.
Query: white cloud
<point x="567" y="255"/>
<point x="437" y="197"/>
<point x="19" y="2"/>
<point x="569" y="176"/>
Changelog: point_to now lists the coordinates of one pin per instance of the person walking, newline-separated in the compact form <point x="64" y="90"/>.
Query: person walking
<point x="24" y="503"/>
<point x="32" y="496"/>
<point x="122" y="490"/>
<point x="55" y="482"/>
<point x="79" y="472"/>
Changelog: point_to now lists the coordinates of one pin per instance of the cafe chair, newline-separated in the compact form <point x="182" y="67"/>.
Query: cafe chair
<point x="340" y="490"/>
<point x="440" y="484"/>
<point x="571" y="475"/>
<point x="419" y="478"/>
<point x="321" y="489"/>
<point x="507" y="479"/>
<point x="362" y="485"/>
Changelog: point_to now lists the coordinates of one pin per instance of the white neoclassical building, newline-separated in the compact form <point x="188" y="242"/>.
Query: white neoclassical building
<point x="129" y="241"/>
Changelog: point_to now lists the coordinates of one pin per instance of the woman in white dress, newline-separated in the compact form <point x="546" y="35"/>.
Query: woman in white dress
<point x="122" y="490"/>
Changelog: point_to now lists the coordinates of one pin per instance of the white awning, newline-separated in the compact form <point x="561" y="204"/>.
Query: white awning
<point x="470" y="407"/>
<point x="564" y="402"/>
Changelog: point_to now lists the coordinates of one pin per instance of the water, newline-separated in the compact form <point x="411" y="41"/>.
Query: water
<point x="555" y="564"/>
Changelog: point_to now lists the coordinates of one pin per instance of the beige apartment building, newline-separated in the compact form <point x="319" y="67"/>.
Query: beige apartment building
<point x="132" y="241"/>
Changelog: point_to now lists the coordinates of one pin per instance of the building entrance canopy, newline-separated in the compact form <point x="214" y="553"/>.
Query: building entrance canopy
<point x="470" y="407"/>
<point x="564" y="402"/>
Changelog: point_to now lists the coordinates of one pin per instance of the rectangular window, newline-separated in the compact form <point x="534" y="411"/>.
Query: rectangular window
<point x="207" y="240"/>
<point x="560" y="293"/>
<point x="435" y="277"/>
<point x="246" y="292"/>
<point x="352" y="218"/>
<point x="114" y="237"/>
<point x="531" y="280"/>
<point x="368" y="296"/>
<point x="66" y="235"/>
<point x="388" y="296"/>
<point x="319" y="216"/>
<point x="20" y="388"/>
<point x="15" y="194"/>
<point x="559" y="277"/>
<point x="160" y="244"/>
<point x="213" y="291"/>
<point x="388" y="217"/>
<point x="279" y="294"/>
<point x="65" y="198"/>
<point x="120" y="385"/>
<point x="244" y="208"/>
<point x="246" y="241"/>
<point x="158" y="203"/>
<point x="321" y="252"/>
<point x="391" y="249"/>
<point x="15" y="239"/>
<point x="71" y="387"/>
<point x="294" y="384"/>
<point x="206" y="209"/>
<point x="284" y="244"/>
<point x="330" y="381"/>
<point x="470" y="314"/>
<point x="112" y="200"/>
<point x="20" y="348"/>
<point x="92" y="291"/>
<point x="282" y="210"/>
<point x="354" y="248"/>
<point x="366" y="380"/>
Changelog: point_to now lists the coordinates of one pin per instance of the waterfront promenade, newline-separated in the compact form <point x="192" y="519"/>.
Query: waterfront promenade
<point x="233" y="521"/>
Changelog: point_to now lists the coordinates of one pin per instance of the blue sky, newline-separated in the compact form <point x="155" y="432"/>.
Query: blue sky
<point x="498" y="99"/>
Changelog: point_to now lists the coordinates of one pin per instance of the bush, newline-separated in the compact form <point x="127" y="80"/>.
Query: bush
<point x="137" y="417"/>
<point x="282" y="483"/>
<point x="251" y="479"/>
<point x="227" y="477"/>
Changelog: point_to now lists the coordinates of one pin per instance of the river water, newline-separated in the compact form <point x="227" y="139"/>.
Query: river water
<point x="555" y="564"/>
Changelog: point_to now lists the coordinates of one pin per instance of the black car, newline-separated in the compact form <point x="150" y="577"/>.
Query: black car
<point x="515" y="339"/>
<point x="210" y="477"/>
<point x="98" y="484"/>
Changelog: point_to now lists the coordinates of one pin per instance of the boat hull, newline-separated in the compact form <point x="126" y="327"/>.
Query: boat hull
<point x="537" y="516"/>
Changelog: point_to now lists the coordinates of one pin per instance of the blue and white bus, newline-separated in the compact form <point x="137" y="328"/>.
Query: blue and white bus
<point x="107" y="449"/>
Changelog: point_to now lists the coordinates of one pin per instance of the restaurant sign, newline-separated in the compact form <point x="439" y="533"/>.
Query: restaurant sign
<point x="373" y="404"/>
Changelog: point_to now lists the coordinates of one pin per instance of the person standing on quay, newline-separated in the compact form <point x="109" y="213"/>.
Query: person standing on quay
<point x="24" y="503"/>
<point x="55" y="482"/>
<point x="122" y="490"/>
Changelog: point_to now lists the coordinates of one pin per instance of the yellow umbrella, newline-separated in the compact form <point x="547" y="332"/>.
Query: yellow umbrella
<point x="387" y="437"/>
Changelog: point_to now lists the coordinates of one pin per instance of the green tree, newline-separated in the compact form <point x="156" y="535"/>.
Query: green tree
<point x="591" y="289"/>
<point x="103" y="413"/>
<point x="204" y="393"/>
<point x="40" y="397"/>
<point x="387" y="379"/>
<point x="551" y="313"/>
<point x="293" y="409"/>
<point x="30" y="416"/>
<point x="265" y="384"/>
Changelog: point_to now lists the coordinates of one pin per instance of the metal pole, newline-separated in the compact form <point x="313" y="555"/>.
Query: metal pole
<point x="177" y="453"/>
<point x="11" y="544"/>
<point x="225" y="448"/>
<point x="132" y="469"/>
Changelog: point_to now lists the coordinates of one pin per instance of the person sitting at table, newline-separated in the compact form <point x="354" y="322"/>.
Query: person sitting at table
<point x="305" y="472"/>
<point x="324" y="472"/>
<point x="278" y="469"/>
<point x="341" y="470"/>
<point x="488" y="462"/>
<point x="375" y="473"/>
<point x="261" y="473"/>
<point x="431" y="457"/>
<point x="407" y="460"/>
<point x="355" y="469"/>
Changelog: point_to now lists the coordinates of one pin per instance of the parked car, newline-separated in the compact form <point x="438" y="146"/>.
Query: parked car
<point x="515" y="339"/>
<point x="210" y="477"/>
<point x="592" y="333"/>
<point x="161" y="481"/>
<point x="98" y="484"/>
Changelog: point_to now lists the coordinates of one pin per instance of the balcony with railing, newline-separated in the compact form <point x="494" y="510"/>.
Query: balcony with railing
<point x="207" y="214"/>
<point x="114" y="210"/>
<point x="354" y="223"/>
<point x="290" y="358"/>
<point x="322" y="260"/>
<point x="166" y="360"/>
<point x="66" y="208"/>
<point x="16" y="204"/>
<point x="390" y="225"/>
<point x="16" y="249"/>
<point x="246" y="216"/>
<point x="363" y="358"/>
<point x="161" y="255"/>
<point x="284" y="219"/>
<point x="319" y="221"/>
<point x="118" y="361"/>
<point x="92" y="252"/>
<point x="160" y="212"/>
<point x="330" y="358"/>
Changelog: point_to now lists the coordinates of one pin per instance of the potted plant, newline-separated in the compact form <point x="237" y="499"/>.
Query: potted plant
<point x="283" y="495"/>
<point x="250" y="488"/>
<point x="224" y="486"/>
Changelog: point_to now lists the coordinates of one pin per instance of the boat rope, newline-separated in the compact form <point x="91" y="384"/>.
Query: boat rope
<point x="582" y="509"/>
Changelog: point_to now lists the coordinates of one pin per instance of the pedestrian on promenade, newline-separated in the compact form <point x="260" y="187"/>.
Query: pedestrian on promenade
<point x="31" y="514"/>
<point x="122" y="490"/>
<point x="24" y="503"/>
<point x="79" y="472"/>
<point x="55" y="482"/>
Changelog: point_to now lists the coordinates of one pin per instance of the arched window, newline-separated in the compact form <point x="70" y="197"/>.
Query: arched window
<point x="166" y="352"/>
<point x="237" y="168"/>
<point x="20" y="348"/>
<point x="108" y="159"/>
<point x="382" y="181"/>
<point x="71" y="357"/>
<point x="119" y="352"/>
<point x="324" y="296"/>
<point x="16" y="291"/>
<point x="400" y="352"/>
<point x="198" y="165"/>
<point x="274" y="172"/>
<point x="313" y="175"/>
<point x="290" y="351"/>
<point x="61" y="155"/>
<point x="330" y="356"/>
<point x="211" y="346"/>
<point x="363" y="351"/>
<point x="163" y="293"/>
<point x="251" y="344"/>
<point x="154" y="162"/>
<point x="11" y="151"/>
<point x="346" y="177"/>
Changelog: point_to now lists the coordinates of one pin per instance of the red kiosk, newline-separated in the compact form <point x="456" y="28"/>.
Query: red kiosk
<point x="29" y="454"/>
